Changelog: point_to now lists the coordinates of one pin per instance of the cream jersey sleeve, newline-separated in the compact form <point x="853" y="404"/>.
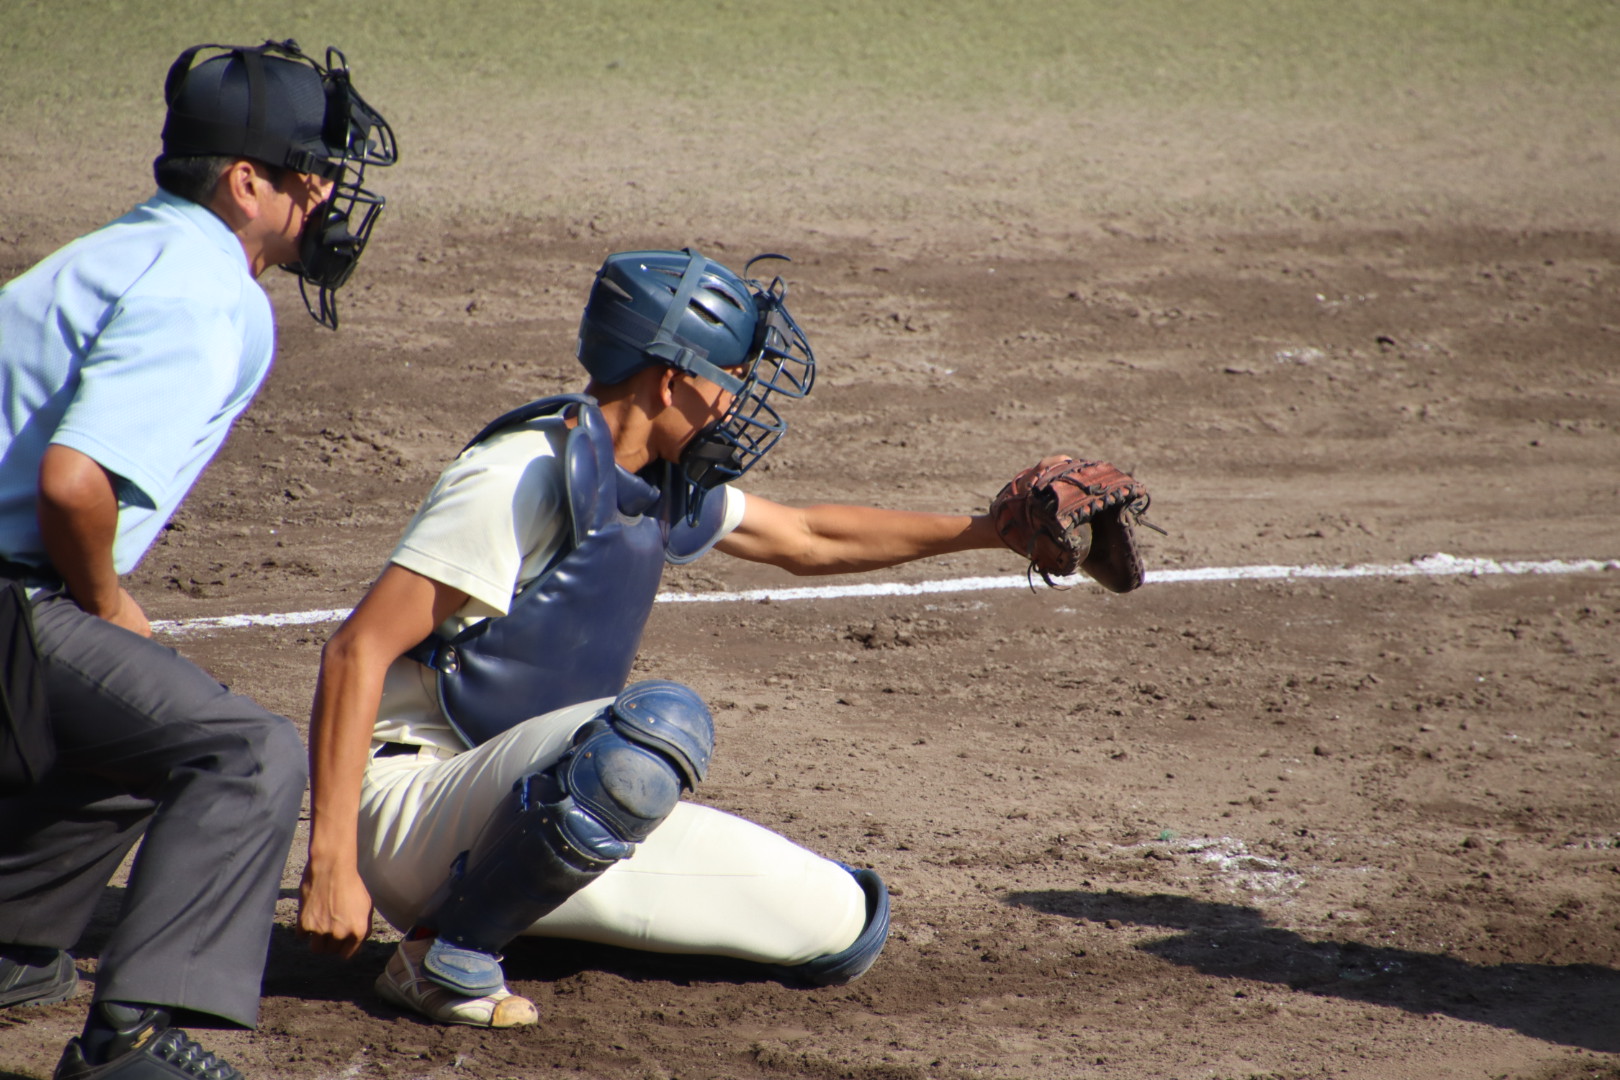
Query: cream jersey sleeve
<point x="494" y="520"/>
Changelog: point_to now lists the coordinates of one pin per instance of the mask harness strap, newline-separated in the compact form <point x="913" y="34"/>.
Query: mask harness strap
<point x="665" y="345"/>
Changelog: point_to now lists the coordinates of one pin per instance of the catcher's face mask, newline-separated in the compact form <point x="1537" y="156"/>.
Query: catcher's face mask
<point x="781" y="363"/>
<point x="272" y="103"/>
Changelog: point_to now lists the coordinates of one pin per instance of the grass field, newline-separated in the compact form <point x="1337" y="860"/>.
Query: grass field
<point x="1054" y="112"/>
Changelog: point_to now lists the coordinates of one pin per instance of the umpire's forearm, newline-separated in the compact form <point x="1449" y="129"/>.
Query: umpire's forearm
<point x="78" y="521"/>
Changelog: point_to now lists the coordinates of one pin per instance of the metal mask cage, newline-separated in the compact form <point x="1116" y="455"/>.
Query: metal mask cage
<point x="334" y="236"/>
<point x="338" y="230"/>
<point x="783" y="364"/>
<point x="351" y="123"/>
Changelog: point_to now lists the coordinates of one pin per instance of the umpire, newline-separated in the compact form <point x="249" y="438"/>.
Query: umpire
<point x="124" y="359"/>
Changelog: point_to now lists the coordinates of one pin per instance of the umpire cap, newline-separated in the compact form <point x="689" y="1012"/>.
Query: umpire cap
<point x="252" y="103"/>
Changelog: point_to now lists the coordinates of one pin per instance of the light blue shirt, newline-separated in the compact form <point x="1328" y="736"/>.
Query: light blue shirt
<point x="136" y="345"/>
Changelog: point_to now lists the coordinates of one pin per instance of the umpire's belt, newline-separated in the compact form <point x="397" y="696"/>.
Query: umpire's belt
<point x="32" y="577"/>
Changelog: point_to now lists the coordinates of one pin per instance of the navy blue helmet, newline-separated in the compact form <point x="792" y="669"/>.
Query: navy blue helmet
<point x="681" y="310"/>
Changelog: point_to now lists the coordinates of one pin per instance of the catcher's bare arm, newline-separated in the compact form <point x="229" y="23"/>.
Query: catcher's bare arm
<point x="400" y="609"/>
<point x="837" y="539"/>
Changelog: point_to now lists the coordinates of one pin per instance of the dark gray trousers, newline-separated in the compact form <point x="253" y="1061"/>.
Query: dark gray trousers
<point x="149" y="744"/>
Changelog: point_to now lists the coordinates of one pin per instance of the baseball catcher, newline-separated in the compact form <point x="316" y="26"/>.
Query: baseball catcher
<point x="1066" y="515"/>
<point x="472" y="727"/>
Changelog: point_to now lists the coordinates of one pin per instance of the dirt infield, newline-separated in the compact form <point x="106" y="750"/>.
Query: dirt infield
<point x="1364" y="828"/>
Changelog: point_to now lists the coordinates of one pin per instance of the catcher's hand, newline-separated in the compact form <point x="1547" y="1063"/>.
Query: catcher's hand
<point x="1065" y="515"/>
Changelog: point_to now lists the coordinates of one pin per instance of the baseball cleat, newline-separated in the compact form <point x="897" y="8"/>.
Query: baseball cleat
<point x="145" y="1049"/>
<point x="36" y="977"/>
<point x="404" y="984"/>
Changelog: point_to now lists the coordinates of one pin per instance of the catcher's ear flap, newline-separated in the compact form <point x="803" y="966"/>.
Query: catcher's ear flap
<point x="1113" y="561"/>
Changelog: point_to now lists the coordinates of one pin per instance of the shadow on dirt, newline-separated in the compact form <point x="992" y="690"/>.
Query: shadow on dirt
<point x="553" y="959"/>
<point x="1572" y="1004"/>
<point x="293" y="971"/>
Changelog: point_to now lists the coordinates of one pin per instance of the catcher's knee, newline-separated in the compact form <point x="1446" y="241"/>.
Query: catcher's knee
<point x="669" y="718"/>
<point x="628" y="766"/>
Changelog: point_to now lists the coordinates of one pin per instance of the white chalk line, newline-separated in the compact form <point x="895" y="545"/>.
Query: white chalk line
<point x="1437" y="565"/>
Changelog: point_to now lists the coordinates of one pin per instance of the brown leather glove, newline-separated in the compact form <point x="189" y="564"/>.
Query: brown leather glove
<point x="1065" y="515"/>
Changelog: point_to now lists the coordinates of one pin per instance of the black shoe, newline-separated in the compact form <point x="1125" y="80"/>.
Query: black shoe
<point x="36" y="976"/>
<point x="146" y="1048"/>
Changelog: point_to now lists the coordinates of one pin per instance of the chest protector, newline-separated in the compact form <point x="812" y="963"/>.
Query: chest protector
<point x="571" y="634"/>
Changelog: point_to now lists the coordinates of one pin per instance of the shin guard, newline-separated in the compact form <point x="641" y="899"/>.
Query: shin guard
<point x="561" y="828"/>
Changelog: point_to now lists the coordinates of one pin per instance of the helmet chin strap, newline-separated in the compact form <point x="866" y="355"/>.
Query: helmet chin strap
<point x="686" y="360"/>
<point x="705" y="459"/>
<point x="703" y="452"/>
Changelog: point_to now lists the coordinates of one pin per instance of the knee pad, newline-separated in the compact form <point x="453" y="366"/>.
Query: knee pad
<point x="671" y="719"/>
<point x="628" y="766"/>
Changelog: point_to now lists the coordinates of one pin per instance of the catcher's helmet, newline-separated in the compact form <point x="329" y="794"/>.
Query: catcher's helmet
<point x="681" y="310"/>
<point x="272" y="103"/>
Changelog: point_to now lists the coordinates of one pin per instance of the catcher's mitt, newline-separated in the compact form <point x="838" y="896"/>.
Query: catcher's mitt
<point x="1065" y="515"/>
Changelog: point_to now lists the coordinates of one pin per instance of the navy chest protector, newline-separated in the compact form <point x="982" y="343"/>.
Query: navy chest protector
<point x="571" y="635"/>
